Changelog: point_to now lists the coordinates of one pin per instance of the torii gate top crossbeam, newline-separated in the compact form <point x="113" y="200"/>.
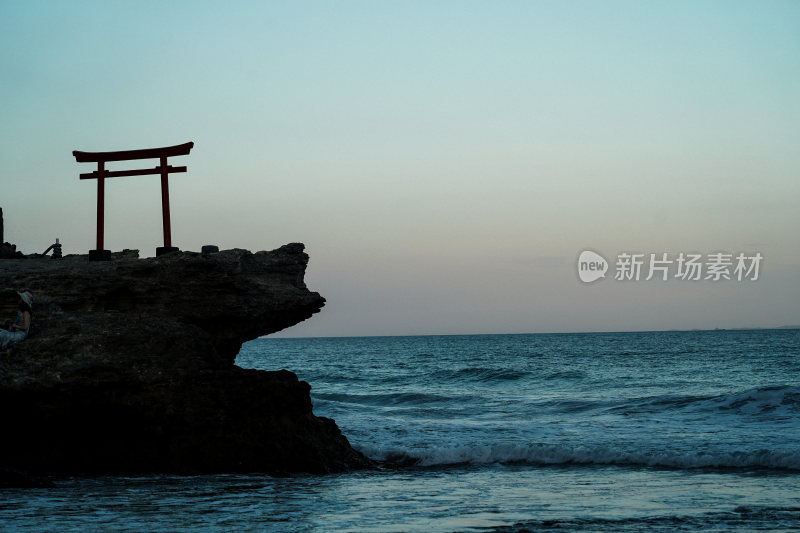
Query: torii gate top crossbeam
<point x="126" y="155"/>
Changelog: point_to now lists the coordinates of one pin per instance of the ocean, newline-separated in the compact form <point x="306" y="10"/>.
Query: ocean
<point x="612" y="432"/>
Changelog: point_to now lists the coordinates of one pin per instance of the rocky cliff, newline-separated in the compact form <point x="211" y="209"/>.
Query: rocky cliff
<point x="129" y="367"/>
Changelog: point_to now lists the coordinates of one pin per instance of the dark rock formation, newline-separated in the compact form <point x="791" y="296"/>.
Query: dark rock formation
<point x="129" y="367"/>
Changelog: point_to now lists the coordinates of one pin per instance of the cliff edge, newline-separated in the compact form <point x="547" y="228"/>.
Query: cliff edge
<point x="129" y="367"/>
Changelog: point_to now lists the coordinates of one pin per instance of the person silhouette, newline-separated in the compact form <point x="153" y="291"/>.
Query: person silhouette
<point x="18" y="330"/>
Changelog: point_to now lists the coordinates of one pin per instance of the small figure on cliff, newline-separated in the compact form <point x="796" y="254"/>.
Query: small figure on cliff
<point x="18" y="331"/>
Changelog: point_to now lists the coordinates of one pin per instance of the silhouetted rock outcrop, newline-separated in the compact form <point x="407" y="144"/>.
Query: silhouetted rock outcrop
<point x="129" y="367"/>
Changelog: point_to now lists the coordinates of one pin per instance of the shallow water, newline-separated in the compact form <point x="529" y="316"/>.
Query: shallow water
<point x="687" y="431"/>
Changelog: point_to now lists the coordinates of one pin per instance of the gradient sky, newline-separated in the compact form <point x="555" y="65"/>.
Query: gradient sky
<point x="444" y="162"/>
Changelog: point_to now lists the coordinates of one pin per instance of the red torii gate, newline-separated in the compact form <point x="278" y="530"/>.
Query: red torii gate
<point x="101" y="158"/>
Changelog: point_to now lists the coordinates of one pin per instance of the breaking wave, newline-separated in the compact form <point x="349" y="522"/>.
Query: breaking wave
<point x="757" y="518"/>
<point x="780" y="400"/>
<point x="550" y="455"/>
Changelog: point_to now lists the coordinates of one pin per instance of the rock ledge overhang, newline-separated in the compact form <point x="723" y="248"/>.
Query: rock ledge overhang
<point x="129" y="367"/>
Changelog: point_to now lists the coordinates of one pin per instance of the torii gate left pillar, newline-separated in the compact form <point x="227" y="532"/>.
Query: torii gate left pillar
<point x="100" y="254"/>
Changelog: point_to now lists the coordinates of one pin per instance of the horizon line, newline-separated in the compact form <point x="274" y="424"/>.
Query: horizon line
<point x="754" y="328"/>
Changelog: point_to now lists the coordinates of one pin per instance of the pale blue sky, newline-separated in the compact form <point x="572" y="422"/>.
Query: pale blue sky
<point x="443" y="162"/>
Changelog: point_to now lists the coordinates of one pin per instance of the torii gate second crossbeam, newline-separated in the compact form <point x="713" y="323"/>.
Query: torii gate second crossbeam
<point x="101" y="158"/>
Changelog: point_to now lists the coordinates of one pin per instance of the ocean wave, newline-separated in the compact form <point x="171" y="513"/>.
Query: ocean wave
<point x="551" y="455"/>
<point x="567" y="374"/>
<point x="778" y="400"/>
<point x="761" y="518"/>
<point x="765" y="399"/>
<point x="389" y="399"/>
<point x="480" y="374"/>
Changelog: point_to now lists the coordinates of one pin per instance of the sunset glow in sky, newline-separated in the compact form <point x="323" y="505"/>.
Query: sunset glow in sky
<point x="445" y="163"/>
